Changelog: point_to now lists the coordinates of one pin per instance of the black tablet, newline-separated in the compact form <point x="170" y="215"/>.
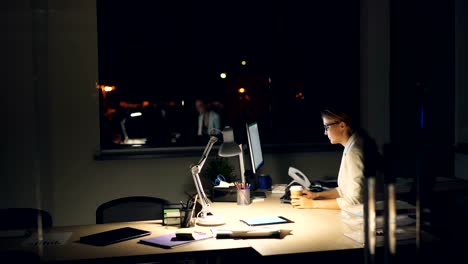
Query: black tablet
<point x="113" y="236"/>
<point x="269" y="220"/>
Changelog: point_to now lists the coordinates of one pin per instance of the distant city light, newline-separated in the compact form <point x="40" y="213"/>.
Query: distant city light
<point x="135" y="114"/>
<point x="241" y="90"/>
<point x="223" y="75"/>
<point x="106" y="88"/>
<point x="300" y="96"/>
<point x="183" y="103"/>
<point x="244" y="62"/>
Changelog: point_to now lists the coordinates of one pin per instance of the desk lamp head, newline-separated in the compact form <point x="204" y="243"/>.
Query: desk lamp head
<point x="229" y="148"/>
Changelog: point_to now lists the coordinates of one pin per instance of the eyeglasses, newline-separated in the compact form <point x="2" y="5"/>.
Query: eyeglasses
<point x="327" y="126"/>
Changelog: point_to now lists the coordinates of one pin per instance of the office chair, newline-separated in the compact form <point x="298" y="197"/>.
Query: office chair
<point x="132" y="208"/>
<point x="24" y="218"/>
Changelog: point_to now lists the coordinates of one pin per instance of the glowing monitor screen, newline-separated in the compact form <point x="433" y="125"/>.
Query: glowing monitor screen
<point x="255" y="148"/>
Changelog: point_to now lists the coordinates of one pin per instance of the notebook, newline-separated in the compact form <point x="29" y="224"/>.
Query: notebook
<point x="270" y="220"/>
<point x="170" y="240"/>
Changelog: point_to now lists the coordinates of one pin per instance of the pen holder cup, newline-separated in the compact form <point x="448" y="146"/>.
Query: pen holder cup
<point x="243" y="197"/>
<point x="187" y="218"/>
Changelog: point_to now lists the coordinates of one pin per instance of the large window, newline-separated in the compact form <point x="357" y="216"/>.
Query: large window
<point x="170" y="71"/>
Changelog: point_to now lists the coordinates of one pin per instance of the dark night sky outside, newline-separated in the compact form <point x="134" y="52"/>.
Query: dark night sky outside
<point x="176" y="49"/>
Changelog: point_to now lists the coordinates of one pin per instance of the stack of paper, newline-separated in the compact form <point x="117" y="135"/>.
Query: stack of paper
<point x="353" y="216"/>
<point x="278" y="188"/>
<point x="401" y="234"/>
<point x="356" y="221"/>
<point x="402" y="207"/>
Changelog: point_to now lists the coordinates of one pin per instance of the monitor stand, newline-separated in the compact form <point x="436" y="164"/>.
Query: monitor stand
<point x="251" y="178"/>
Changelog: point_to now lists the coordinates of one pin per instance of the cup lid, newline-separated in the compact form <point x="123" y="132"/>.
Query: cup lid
<point x="296" y="188"/>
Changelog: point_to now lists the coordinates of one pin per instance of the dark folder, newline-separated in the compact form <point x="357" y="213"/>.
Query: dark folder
<point x="113" y="236"/>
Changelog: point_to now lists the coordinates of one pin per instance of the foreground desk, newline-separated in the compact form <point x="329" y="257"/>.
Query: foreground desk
<point x="124" y="252"/>
<point x="313" y="231"/>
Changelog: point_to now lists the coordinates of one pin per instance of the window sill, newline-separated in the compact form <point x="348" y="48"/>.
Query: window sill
<point x="196" y="151"/>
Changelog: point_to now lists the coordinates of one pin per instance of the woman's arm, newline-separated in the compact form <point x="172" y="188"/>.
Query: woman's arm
<point x="328" y="194"/>
<point x="316" y="200"/>
<point x="302" y="202"/>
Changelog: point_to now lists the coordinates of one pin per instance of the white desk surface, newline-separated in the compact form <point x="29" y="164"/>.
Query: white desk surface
<point x="313" y="230"/>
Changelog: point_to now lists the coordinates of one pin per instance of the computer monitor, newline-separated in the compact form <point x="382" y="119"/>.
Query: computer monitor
<point x="255" y="148"/>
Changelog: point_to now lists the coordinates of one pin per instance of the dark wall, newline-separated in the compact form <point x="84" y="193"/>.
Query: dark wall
<point x="422" y="109"/>
<point x="422" y="81"/>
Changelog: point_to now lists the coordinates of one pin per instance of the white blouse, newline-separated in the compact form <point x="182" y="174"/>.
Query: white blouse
<point x="351" y="174"/>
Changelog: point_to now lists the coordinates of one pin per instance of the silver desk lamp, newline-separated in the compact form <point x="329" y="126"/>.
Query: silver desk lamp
<point x="228" y="149"/>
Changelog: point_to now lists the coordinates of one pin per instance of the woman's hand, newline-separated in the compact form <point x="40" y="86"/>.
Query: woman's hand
<point x="302" y="202"/>
<point x="309" y="194"/>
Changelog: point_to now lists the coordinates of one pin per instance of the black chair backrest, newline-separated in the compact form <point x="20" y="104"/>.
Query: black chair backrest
<point x="23" y="218"/>
<point x="133" y="208"/>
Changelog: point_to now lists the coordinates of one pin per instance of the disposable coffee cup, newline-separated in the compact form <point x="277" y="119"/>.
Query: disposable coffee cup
<point x="296" y="190"/>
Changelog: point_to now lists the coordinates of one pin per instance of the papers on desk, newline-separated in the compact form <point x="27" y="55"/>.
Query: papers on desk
<point x="401" y="234"/>
<point x="48" y="239"/>
<point x="358" y="210"/>
<point x="353" y="221"/>
<point x="278" y="188"/>
<point x="353" y="217"/>
<point x="257" y="199"/>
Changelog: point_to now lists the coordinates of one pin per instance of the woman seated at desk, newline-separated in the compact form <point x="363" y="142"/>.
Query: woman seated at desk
<point x="359" y="160"/>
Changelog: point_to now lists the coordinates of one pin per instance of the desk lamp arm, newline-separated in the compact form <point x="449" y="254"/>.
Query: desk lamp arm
<point x="196" y="169"/>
